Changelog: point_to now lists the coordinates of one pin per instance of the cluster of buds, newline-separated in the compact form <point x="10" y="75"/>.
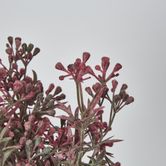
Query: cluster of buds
<point x="27" y="135"/>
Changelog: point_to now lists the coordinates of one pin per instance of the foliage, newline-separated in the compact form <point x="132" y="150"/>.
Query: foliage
<point x="27" y="136"/>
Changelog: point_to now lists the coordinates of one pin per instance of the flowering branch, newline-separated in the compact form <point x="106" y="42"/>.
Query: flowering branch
<point x="27" y="136"/>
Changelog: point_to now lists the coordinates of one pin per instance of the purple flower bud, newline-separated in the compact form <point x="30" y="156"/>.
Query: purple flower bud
<point x="77" y="63"/>
<point x="114" y="85"/>
<point x="96" y="87"/>
<point x="18" y="42"/>
<point x="58" y="90"/>
<point x="9" y="51"/>
<point x="117" y="67"/>
<point x="97" y="67"/>
<point x="105" y="62"/>
<point x="36" y="51"/>
<point x="39" y="86"/>
<point x="124" y="87"/>
<point x="89" y="91"/>
<point x="86" y="56"/>
<point x="14" y="66"/>
<point x="22" y="71"/>
<point x="59" y="66"/>
<point x="125" y="97"/>
<point x="61" y="78"/>
<point x="60" y="97"/>
<point x="117" y="164"/>
<point x="70" y="67"/>
<point x="10" y="40"/>
<point x="50" y="88"/>
<point x="130" y="100"/>
<point x="117" y="98"/>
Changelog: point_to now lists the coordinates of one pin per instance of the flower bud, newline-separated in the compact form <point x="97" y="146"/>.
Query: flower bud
<point x="117" y="164"/>
<point x="97" y="67"/>
<point x="70" y="67"/>
<point x="77" y="63"/>
<point x="14" y="66"/>
<point x="24" y="46"/>
<point x="36" y="51"/>
<point x="96" y="87"/>
<point x="124" y="87"/>
<point x="30" y="47"/>
<point x="50" y="88"/>
<point x="61" y="78"/>
<point x="114" y="85"/>
<point x="89" y="91"/>
<point x="86" y="56"/>
<point x="58" y="90"/>
<point x="60" y="97"/>
<point x="117" y="67"/>
<point x="22" y="71"/>
<point x="59" y="66"/>
<point x="117" y="98"/>
<point x="105" y="62"/>
<point x="130" y="100"/>
<point x="17" y="42"/>
<point x="10" y="40"/>
<point x="9" y="51"/>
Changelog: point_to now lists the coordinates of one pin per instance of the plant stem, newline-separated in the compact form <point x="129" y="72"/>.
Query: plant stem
<point x="111" y="112"/>
<point x="81" y="130"/>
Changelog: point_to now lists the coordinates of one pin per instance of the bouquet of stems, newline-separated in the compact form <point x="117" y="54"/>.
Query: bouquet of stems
<point x="82" y="138"/>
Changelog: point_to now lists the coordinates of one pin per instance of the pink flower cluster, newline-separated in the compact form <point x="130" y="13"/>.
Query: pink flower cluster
<point x="27" y="136"/>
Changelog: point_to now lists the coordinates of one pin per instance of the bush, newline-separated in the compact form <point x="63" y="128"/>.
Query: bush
<point x="27" y="136"/>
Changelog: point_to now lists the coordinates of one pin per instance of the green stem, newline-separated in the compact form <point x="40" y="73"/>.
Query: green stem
<point x="111" y="112"/>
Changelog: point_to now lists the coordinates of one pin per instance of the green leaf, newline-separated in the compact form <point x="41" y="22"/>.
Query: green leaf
<point x="34" y="76"/>
<point x="3" y="132"/>
<point x="28" y="148"/>
<point x="37" y="142"/>
<point x="5" y="140"/>
<point x="7" y="152"/>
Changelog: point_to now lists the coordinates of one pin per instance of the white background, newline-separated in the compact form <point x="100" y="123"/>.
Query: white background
<point x="132" y="32"/>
